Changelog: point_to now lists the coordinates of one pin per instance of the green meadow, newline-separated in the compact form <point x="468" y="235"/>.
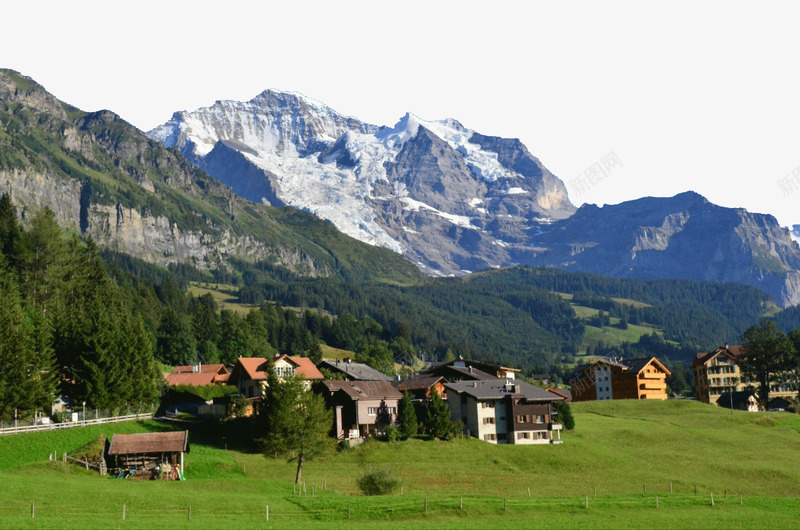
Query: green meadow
<point x="623" y="458"/>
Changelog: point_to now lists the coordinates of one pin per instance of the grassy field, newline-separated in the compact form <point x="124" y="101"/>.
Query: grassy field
<point x="629" y="451"/>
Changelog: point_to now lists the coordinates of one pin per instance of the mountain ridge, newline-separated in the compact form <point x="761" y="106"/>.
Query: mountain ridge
<point x="108" y="180"/>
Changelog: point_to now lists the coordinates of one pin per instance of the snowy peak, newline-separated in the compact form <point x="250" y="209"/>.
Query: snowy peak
<point x="475" y="196"/>
<point x="287" y="124"/>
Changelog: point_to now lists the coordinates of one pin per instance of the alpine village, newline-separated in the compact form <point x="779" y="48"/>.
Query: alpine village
<point x="188" y="339"/>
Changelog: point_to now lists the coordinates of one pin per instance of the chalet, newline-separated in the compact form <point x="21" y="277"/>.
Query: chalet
<point x="501" y="411"/>
<point x="150" y="455"/>
<point x="353" y="371"/>
<point x="620" y="379"/>
<point x="361" y="408"/>
<point x="250" y="374"/>
<point x="420" y="387"/>
<point x="744" y="400"/>
<point x="717" y="372"/>
<point x="198" y="375"/>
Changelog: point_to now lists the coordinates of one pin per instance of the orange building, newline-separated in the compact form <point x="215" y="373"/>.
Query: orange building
<point x="620" y="379"/>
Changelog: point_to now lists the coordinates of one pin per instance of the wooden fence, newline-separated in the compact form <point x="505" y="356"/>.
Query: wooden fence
<point x="69" y="425"/>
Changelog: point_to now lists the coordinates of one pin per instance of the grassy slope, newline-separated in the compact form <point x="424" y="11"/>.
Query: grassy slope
<point x="618" y="446"/>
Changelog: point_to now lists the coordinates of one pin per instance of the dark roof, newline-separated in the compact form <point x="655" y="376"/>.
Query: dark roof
<point x="354" y="371"/>
<point x="499" y="388"/>
<point x="150" y="442"/>
<point x="452" y="373"/>
<point x="637" y="365"/>
<point x="364" y="389"/>
<point x="743" y="396"/>
<point x="419" y="382"/>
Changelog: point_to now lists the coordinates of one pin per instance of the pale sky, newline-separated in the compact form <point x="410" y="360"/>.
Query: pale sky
<point x="701" y="96"/>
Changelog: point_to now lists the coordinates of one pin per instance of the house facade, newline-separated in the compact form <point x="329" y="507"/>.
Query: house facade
<point x="620" y="379"/>
<point x="362" y="409"/>
<point x="716" y="373"/>
<point x="501" y="411"/>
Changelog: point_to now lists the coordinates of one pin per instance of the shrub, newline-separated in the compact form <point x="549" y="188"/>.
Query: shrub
<point x="392" y="433"/>
<point x="378" y="481"/>
<point x="343" y="445"/>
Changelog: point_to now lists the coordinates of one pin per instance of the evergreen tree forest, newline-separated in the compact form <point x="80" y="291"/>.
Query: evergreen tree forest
<point x="65" y="327"/>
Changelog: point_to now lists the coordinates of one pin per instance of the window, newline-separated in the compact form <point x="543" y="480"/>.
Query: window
<point x="487" y="404"/>
<point x="489" y="437"/>
<point x="539" y="435"/>
<point x="523" y="436"/>
<point x="540" y="419"/>
<point x="284" y="371"/>
<point x="372" y="411"/>
<point x="392" y="410"/>
<point x="487" y="421"/>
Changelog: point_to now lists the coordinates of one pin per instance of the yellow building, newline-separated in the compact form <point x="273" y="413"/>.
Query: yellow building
<point x="716" y="373"/>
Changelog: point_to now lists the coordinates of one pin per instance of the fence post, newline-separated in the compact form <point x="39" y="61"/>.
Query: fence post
<point x="712" y="499"/>
<point x="504" y="504"/>
<point x="670" y="486"/>
<point x="462" y="503"/>
<point x="189" y="514"/>
<point x="426" y="504"/>
<point x="294" y="489"/>
<point x="267" y="513"/>
<point x="587" y="502"/>
<point x="348" y="512"/>
<point x="741" y="501"/>
<point x="656" y="501"/>
<point x="695" y="489"/>
<point x="33" y="510"/>
<point x="123" y="511"/>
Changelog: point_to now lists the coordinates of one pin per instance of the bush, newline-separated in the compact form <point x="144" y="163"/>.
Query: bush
<point x="343" y="445"/>
<point x="378" y="481"/>
<point x="392" y="433"/>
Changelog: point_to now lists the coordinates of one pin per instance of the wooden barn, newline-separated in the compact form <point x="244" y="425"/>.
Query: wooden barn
<point x="152" y="455"/>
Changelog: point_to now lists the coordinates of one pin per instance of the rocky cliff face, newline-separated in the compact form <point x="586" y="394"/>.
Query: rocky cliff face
<point x="129" y="193"/>
<point x="445" y="196"/>
<point x="684" y="236"/>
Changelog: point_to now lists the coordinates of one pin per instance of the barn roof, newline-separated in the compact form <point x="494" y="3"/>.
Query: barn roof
<point x="150" y="442"/>
<point x="197" y="375"/>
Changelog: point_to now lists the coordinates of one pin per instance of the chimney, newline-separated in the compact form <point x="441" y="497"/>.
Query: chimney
<point x="470" y="369"/>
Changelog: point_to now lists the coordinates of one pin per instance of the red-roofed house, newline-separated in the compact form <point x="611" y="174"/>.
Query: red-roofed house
<point x="249" y="374"/>
<point x="198" y="375"/>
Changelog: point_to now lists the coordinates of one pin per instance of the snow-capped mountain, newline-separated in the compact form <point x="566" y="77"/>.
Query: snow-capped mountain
<point x="452" y="200"/>
<point x="448" y="198"/>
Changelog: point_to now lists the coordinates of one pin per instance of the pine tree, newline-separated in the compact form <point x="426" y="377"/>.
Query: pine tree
<point x="437" y="419"/>
<point x="565" y="414"/>
<point x="407" y="417"/>
<point x="16" y="351"/>
<point x="10" y="232"/>
<point x="297" y="423"/>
